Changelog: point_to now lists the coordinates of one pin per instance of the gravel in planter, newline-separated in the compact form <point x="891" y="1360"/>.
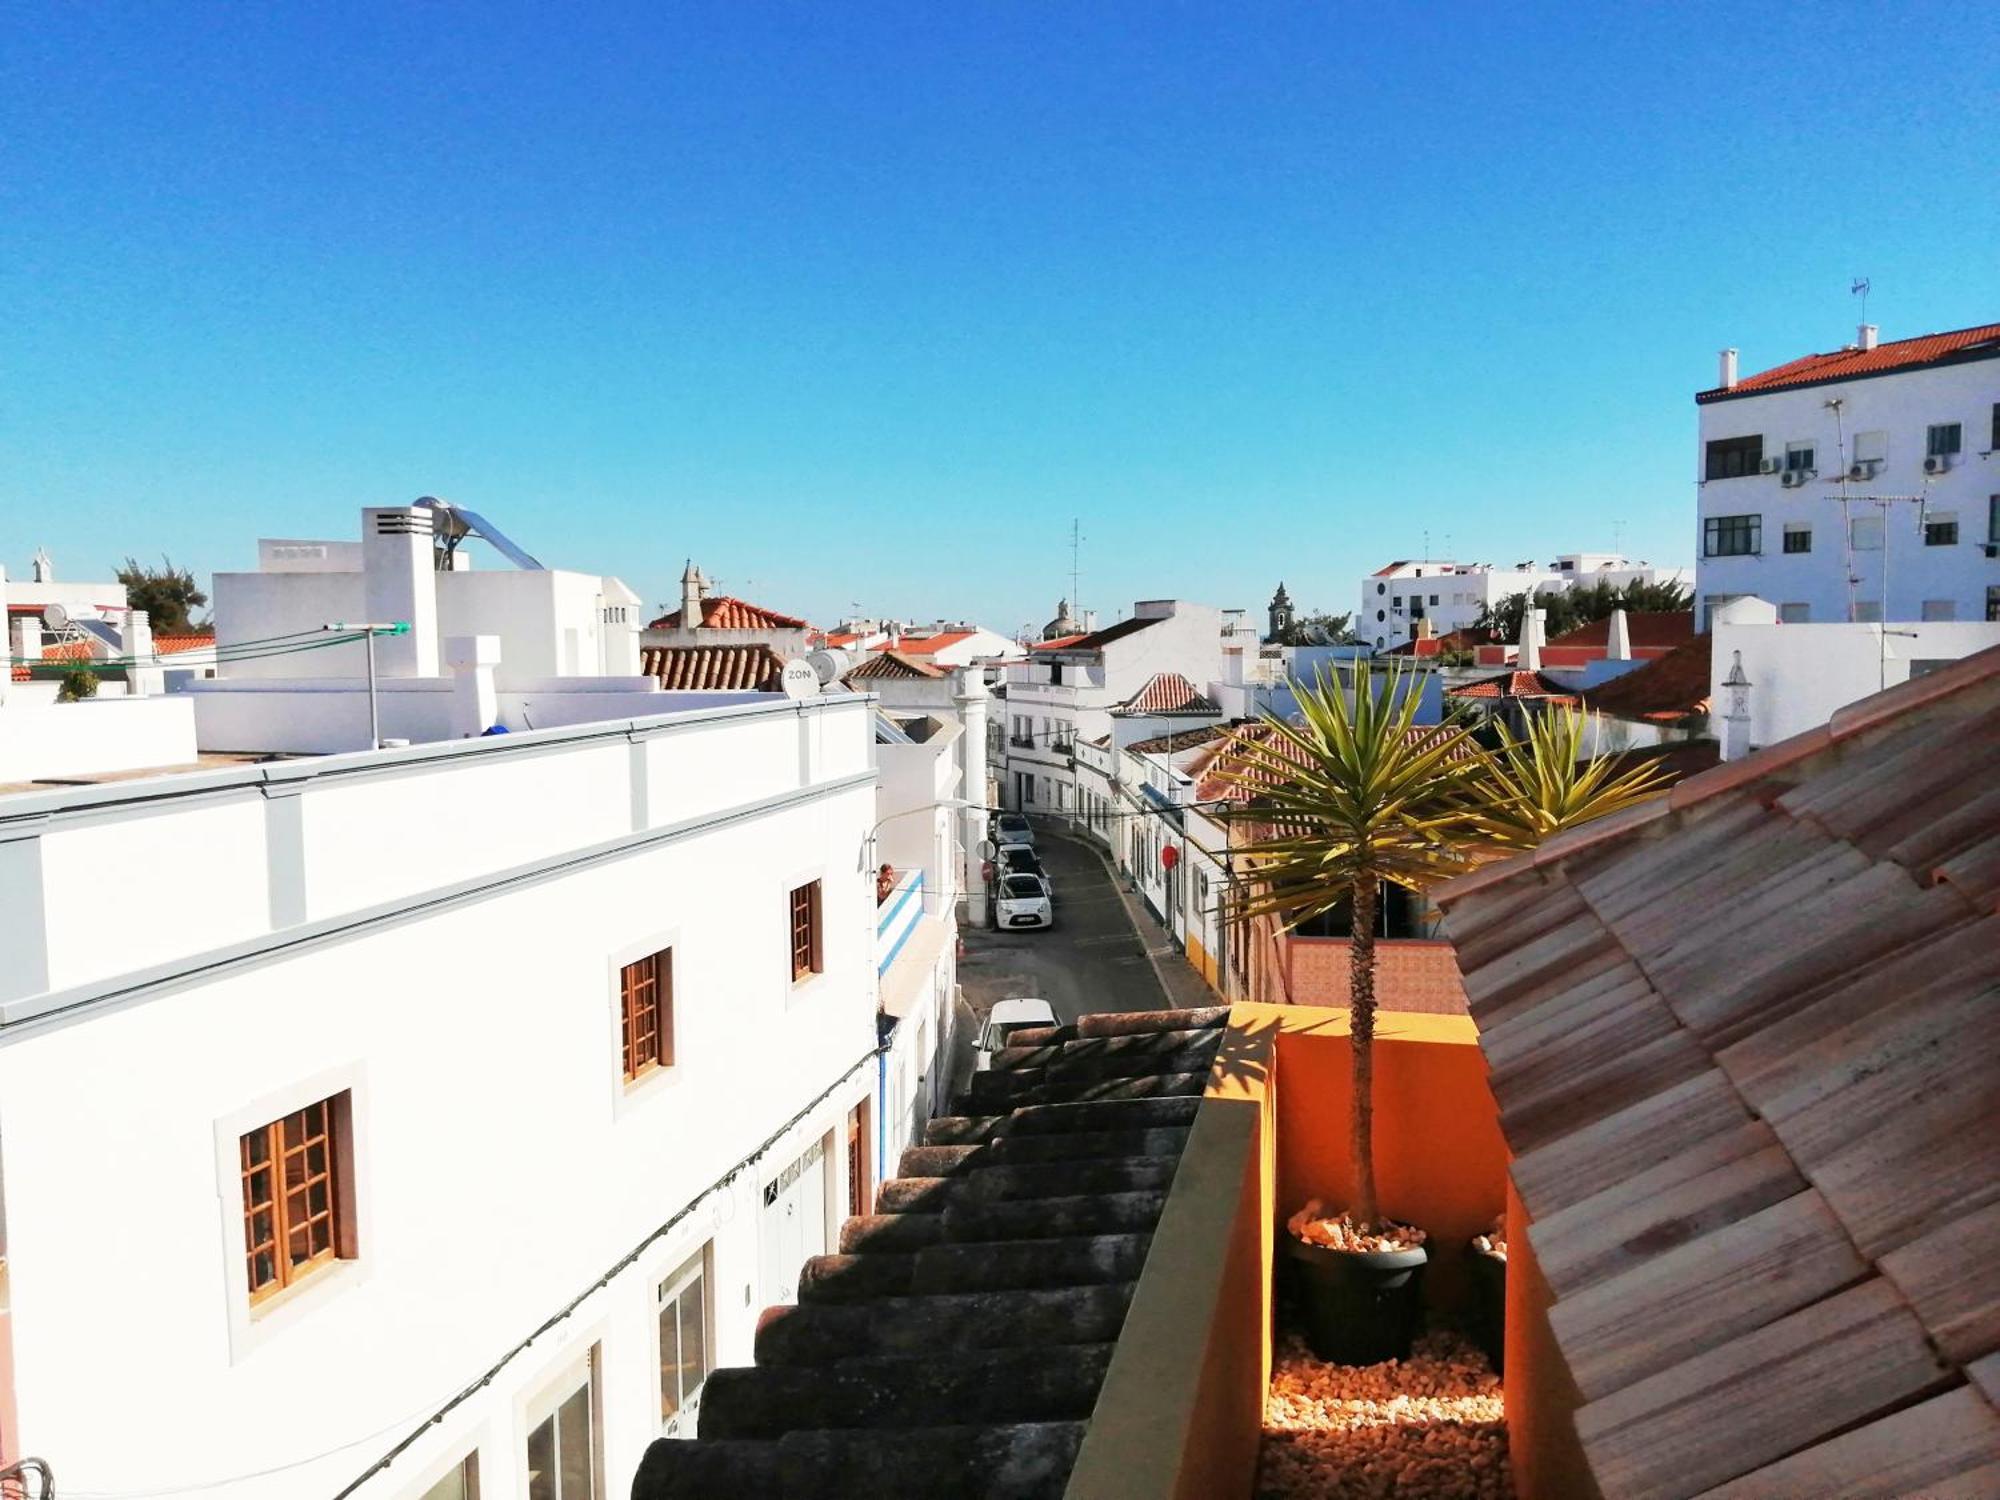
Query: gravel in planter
<point x="1431" y="1425"/>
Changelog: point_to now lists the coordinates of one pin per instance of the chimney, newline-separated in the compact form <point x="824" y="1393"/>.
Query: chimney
<point x="1618" y="638"/>
<point x="1529" y="657"/>
<point x="1728" y="380"/>
<point x="1869" y="334"/>
<point x="691" y="582"/>
<point x="1736" y="721"/>
<point x="399" y="580"/>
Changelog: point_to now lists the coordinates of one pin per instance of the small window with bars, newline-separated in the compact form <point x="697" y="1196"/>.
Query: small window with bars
<point x="806" y="958"/>
<point x="646" y="1014"/>
<point x="292" y="1211"/>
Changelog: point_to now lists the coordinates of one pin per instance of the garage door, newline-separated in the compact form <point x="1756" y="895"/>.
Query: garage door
<point x="794" y="1227"/>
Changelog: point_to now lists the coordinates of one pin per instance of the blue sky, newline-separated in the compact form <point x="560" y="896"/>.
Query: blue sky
<point x="863" y="303"/>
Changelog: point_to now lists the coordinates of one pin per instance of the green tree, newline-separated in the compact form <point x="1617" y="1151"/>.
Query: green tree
<point x="1356" y="795"/>
<point x="1566" y="609"/>
<point x="167" y="594"/>
<point x="1317" y="630"/>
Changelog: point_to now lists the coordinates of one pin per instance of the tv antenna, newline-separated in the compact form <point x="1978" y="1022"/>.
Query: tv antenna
<point x="1860" y="289"/>
<point x="1075" y="552"/>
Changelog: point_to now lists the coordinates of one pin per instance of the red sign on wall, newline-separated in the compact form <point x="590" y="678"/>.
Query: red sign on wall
<point x="1170" y="856"/>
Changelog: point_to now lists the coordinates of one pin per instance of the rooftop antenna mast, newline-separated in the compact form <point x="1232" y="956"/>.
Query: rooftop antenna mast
<point x="1860" y="289"/>
<point x="1075" y="552"/>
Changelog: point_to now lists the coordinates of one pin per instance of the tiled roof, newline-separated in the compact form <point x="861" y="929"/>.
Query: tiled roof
<point x="722" y="612"/>
<point x="1855" y="363"/>
<point x="1665" y="689"/>
<point x="1742" y="1043"/>
<point x="62" y="654"/>
<point x="956" y="1342"/>
<point x="1647" y="628"/>
<point x="926" y="645"/>
<point x="1222" y="776"/>
<point x="1401" y="562"/>
<point x="1167" y="693"/>
<point x="1451" y="640"/>
<point x="1060" y="643"/>
<point x="169" y="645"/>
<point x="1101" y="638"/>
<point x="1532" y="685"/>
<point x="1183" y="739"/>
<point x="887" y="664"/>
<point x="743" y="669"/>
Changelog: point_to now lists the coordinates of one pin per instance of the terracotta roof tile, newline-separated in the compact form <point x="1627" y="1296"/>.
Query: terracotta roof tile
<point x="1168" y="693"/>
<point x="170" y="645"/>
<point x="1185" y="739"/>
<point x="742" y="669"/>
<point x="1854" y="363"/>
<point x="929" y="645"/>
<point x="1098" y="639"/>
<point x="1060" y="643"/>
<point x="1668" y="688"/>
<point x="724" y="612"/>
<point x="1648" y="628"/>
<point x="882" y="665"/>
<point x="1739" y="1038"/>
<point x="1527" y="685"/>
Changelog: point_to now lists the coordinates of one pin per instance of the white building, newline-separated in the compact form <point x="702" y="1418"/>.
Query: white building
<point x="1451" y="595"/>
<point x="1770" y="679"/>
<point x="567" y="1040"/>
<point x="1856" y="485"/>
<point x="1153" y="666"/>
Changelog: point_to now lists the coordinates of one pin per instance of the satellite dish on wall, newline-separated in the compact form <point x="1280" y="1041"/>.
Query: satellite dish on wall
<point x="55" y="617"/>
<point x="799" y="680"/>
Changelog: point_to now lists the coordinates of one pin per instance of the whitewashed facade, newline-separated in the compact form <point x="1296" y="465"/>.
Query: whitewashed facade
<point x="1451" y="595"/>
<point x="535" y="1256"/>
<point x="1873" y="496"/>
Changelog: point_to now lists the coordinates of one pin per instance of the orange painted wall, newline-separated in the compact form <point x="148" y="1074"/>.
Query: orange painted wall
<point x="1440" y="1160"/>
<point x="1542" y="1399"/>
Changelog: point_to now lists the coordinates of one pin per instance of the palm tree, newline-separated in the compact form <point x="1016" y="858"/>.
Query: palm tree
<point x="1353" y="795"/>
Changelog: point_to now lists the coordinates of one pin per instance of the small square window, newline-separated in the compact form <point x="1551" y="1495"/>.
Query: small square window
<point x="1940" y="609"/>
<point x="1993" y="601"/>
<point x="1794" y="614"/>
<point x="1867" y="534"/>
<point x="1943" y="438"/>
<point x="294" y="1208"/>
<point x="807" y="959"/>
<point x="1867" y="611"/>
<point x="646" y="1014"/>
<point x="1732" y="536"/>
<point x="1798" y="538"/>
<point x="1940" y="530"/>
<point x="1798" y="458"/>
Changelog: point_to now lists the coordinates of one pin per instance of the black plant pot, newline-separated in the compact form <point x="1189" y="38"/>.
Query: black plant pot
<point x="1489" y="1304"/>
<point x="1361" y="1306"/>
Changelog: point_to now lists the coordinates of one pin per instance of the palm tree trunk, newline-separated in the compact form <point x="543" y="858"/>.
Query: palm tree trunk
<point x="1361" y="1034"/>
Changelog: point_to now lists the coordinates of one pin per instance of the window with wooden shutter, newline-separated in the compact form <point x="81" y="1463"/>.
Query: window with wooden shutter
<point x="805" y="930"/>
<point x="646" y="1009"/>
<point x="292" y="1210"/>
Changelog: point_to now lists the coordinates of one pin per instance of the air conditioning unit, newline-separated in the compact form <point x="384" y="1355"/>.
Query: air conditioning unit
<point x="1791" y="479"/>
<point x="1865" y="469"/>
<point x="1937" y="463"/>
<point x="1769" y="465"/>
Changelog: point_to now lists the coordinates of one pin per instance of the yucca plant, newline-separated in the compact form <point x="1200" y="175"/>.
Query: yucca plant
<point x="1353" y="795"/>
<point x="1540" y="784"/>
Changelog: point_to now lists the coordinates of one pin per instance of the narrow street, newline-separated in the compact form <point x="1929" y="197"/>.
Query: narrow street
<point x="1093" y="960"/>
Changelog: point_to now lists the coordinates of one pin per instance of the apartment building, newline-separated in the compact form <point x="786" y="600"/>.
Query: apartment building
<point x="1856" y="485"/>
<point x="425" y="1122"/>
<point x="1399" y="598"/>
<point x="1134" y="674"/>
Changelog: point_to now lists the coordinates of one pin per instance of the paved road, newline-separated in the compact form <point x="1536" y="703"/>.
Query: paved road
<point x="1092" y="961"/>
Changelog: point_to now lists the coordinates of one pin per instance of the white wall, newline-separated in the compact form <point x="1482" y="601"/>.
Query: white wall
<point x="1800" y="675"/>
<point x="41" y="738"/>
<point x="259" y="607"/>
<point x="502" y="1166"/>
<point x="1901" y="407"/>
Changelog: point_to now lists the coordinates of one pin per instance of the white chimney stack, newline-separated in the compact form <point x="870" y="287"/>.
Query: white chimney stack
<point x="691" y="586"/>
<point x="1869" y="334"/>
<point x="1529" y="657"/>
<point x="1728" y="381"/>
<point x="399" y="570"/>
<point x="1618" y="638"/>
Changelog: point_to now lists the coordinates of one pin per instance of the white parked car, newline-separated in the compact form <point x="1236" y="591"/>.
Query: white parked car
<point x="1024" y="901"/>
<point x="1013" y="828"/>
<point x="1006" y="1018"/>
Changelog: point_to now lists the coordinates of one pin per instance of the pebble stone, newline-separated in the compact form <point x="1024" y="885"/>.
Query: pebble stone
<point x="1433" y="1425"/>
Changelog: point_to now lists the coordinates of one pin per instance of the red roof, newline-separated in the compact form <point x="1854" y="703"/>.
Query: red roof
<point x="58" y="655"/>
<point x="1168" y="693"/>
<point x="1055" y="645"/>
<point x="723" y="612"/>
<point x="1855" y="363"/>
<point x="1671" y="687"/>
<point x="1515" y="685"/>
<point x="892" y="664"/>
<point x="926" y="645"/>
<point x="1451" y="640"/>
<point x="1648" y="628"/>
<point x="720" y="669"/>
<point x="1183" y="739"/>
<point x="1401" y="562"/>
<point x="167" y="645"/>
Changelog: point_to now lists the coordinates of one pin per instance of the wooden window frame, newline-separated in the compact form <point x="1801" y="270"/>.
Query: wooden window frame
<point x="804" y="930"/>
<point x="276" y="1213"/>
<point x="646" y="1015"/>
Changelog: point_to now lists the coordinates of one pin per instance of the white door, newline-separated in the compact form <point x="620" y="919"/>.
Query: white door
<point x="794" y="1226"/>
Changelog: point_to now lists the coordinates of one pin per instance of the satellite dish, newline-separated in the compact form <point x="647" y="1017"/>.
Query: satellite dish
<point x="56" y="617"/>
<point x="799" y="680"/>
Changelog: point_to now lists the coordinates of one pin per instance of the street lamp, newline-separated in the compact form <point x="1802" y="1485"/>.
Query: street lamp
<point x="391" y="627"/>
